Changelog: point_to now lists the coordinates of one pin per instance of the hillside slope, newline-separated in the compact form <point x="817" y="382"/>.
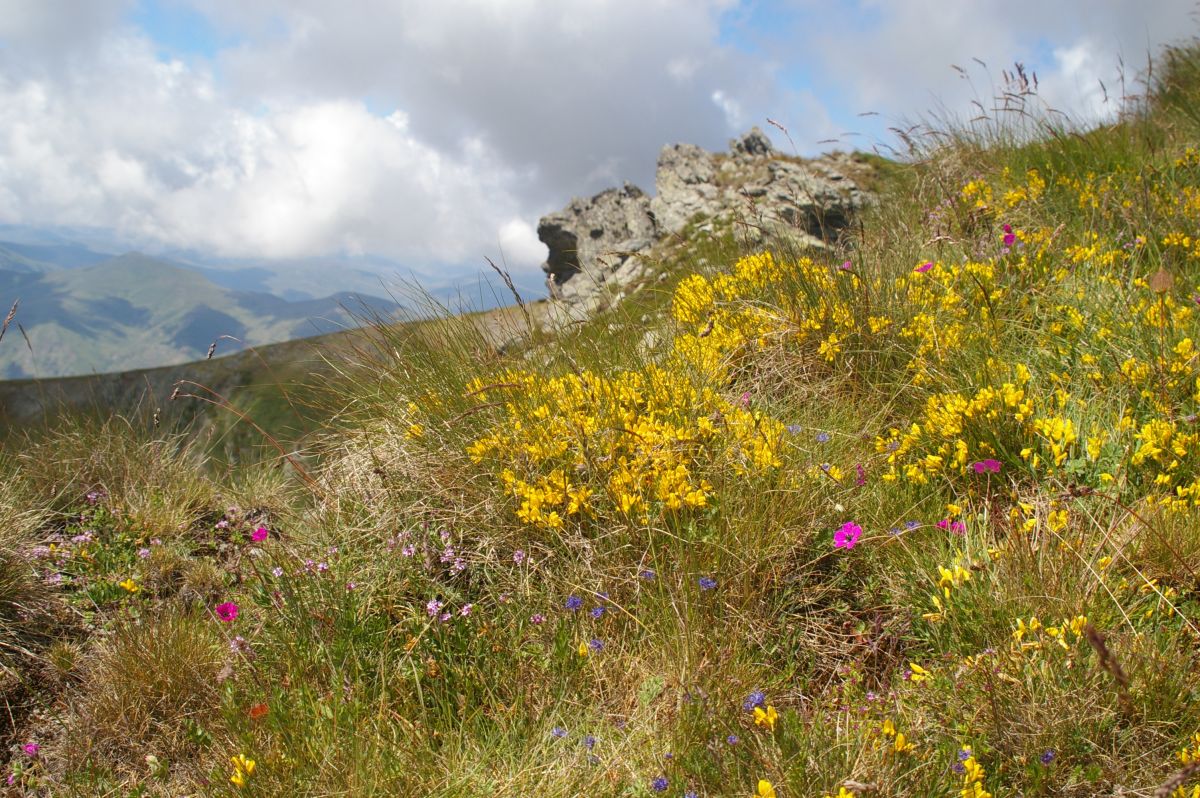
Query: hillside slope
<point x="912" y="513"/>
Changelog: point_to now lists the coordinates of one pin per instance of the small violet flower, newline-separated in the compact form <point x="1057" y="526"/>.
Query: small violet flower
<point x="756" y="699"/>
<point x="707" y="583"/>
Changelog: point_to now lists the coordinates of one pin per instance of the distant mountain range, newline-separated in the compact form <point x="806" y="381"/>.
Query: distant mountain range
<point x="82" y="312"/>
<point x="85" y="309"/>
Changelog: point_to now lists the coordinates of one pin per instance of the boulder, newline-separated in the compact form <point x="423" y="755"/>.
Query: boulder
<point x="591" y="239"/>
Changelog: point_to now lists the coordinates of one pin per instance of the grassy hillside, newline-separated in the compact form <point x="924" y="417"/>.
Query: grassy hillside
<point x="912" y="516"/>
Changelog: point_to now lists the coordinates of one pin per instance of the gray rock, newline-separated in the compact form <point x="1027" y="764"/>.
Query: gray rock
<point x="754" y="144"/>
<point x="685" y="187"/>
<point x="594" y="242"/>
<point x="590" y="239"/>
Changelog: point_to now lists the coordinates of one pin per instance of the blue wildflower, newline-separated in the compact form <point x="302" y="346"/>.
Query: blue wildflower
<point x="558" y="732"/>
<point x="707" y="583"/>
<point x="822" y="437"/>
<point x="597" y="612"/>
<point x="589" y="742"/>
<point x="732" y="739"/>
<point x="660" y="784"/>
<point x="757" y="698"/>
<point x="596" y="645"/>
<point x="1047" y="757"/>
<point x="648" y="575"/>
<point x="574" y="603"/>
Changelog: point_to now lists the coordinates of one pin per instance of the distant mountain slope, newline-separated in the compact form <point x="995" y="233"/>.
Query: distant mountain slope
<point x="134" y="311"/>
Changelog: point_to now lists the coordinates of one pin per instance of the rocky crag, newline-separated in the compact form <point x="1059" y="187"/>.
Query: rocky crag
<point x="599" y="245"/>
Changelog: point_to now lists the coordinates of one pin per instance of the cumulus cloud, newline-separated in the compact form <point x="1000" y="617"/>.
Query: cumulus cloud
<point x="437" y="133"/>
<point x="431" y="133"/>
<point x="896" y="57"/>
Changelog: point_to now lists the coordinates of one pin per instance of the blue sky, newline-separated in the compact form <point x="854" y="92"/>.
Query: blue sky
<point x="178" y="30"/>
<point x="438" y="133"/>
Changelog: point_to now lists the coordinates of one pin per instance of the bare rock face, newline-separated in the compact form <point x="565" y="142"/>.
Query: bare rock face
<point x="594" y="243"/>
<point x="685" y="186"/>
<point x="591" y="241"/>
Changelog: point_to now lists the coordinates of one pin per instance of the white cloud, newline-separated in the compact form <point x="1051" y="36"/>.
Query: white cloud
<point x="437" y="133"/>
<point x="494" y="113"/>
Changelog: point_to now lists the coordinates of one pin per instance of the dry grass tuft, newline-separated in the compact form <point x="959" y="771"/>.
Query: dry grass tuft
<point x="152" y="687"/>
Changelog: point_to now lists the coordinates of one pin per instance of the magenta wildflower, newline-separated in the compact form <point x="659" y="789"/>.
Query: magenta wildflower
<point x="989" y="465"/>
<point x="847" y="266"/>
<point x="465" y="610"/>
<point x="537" y="619"/>
<point x="260" y="534"/>
<point x="861" y="475"/>
<point x="924" y="267"/>
<point x="433" y="607"/>
<point x="227" y="612"/>
<point x="31" y="749"/>
<point x="1010" y="238"/>
<point x="847" y="535"/>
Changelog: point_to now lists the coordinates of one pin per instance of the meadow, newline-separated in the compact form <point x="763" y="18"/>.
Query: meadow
<point x="913" y="515"/>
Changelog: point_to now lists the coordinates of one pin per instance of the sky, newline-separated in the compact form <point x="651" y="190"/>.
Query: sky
<point x="436" y="133"/>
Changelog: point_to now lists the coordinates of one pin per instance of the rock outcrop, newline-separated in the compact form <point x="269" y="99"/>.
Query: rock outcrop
<point x="594" y="243"/>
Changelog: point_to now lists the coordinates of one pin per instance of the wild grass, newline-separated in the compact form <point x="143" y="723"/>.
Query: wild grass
<point x="911" y="515"/>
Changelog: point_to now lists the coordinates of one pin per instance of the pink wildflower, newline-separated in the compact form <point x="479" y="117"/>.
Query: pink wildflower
<point x="984" y="466"/>
<point x="1009" y="237"/>
<point x="227" y="612"/>
<point x="924" y="267"/>
<point x="259" y="535"/>
<point x="847" y="536"/>
<point x="31" y="749"/>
